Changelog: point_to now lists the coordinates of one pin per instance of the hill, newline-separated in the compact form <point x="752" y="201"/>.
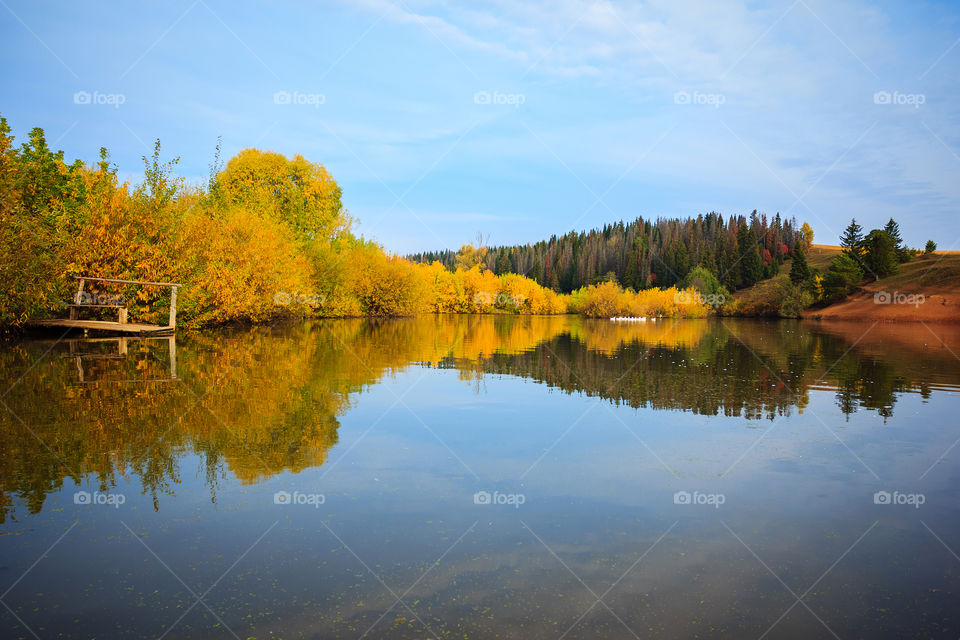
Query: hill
<point x="925" y="289"/>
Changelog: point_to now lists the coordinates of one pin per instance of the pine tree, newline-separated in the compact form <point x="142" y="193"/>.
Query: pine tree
<point x="708" y="262"/>
<point x="681" y="260"/>
<point x="903" y="255"/>
<point x="852" y="240"/>
<point x="631" y="275"/>
<point x="880" y="256"/>
<point x="894" y="230"/>
<point x="799" y="270"/>
<point x="503" y="263"/>
<point x="751" y="264"/>
<point x="537" y="272"/>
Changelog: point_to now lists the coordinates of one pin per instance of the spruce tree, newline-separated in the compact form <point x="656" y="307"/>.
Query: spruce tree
<point x="881" y="257"/>
<point x="903" y="255"/>
<point x="894" y="230"/>
<point x="751" y="264"/>
<point x="799" y="270"/>
<point x="537" y="272"/>
<point x="852" y="240"/>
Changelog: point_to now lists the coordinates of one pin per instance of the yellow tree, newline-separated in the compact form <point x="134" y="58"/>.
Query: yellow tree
<point x="471" y="256"/>
<point x="295" y="191"/>
<point x="807" y="232"/>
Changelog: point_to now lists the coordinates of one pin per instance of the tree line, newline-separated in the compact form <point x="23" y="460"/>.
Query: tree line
<point x="739" y="251"/>
<point x="266" y="236"/>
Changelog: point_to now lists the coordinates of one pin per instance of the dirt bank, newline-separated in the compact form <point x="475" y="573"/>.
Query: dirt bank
<point x="926" y="289"/>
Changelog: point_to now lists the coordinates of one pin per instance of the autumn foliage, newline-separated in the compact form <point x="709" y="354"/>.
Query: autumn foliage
<point x="267" y="236"/>
<point x="608" y="299"/>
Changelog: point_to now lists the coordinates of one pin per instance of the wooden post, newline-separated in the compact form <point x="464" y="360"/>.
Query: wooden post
<point x="173" y="308"/>
<point x="172" y="344"/>
<point x="74" y="312"/>
<point x="122" y="319"/>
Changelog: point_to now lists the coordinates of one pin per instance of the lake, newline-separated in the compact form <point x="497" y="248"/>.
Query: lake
<point x="484" y="477"/>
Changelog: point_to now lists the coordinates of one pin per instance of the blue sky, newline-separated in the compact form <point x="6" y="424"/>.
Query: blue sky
<point x="520" y="119"/>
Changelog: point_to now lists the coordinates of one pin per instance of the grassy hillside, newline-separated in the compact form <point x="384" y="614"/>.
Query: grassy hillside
<point x="936" y="277"/>
<point x="763" y="298"/>
<point x="926" y="289"/>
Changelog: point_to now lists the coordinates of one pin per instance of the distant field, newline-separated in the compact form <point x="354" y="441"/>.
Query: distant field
<point x="819" y="256"/>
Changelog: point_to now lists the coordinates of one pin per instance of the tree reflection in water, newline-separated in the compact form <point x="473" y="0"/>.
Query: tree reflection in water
<point x="258" y="401"/>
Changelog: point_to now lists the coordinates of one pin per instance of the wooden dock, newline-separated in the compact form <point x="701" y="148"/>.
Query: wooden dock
<point x="84" y="301"/>
<point x="104" y="325"/>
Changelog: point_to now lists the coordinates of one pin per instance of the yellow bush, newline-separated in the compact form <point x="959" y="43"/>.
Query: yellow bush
<point x="240" y="266"/>
<point x="608" y="300"/>
<point x="387" y="285"/>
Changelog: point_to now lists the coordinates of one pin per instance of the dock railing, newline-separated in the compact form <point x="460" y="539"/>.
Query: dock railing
<point x="122" y="308"/>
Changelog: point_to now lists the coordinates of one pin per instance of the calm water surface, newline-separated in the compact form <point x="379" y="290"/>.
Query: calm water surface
<point x="481" y="477"/>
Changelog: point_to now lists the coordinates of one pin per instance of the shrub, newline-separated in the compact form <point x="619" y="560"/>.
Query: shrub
<point x="842" y="276"/>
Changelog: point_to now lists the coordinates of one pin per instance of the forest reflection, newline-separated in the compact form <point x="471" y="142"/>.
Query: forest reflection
<point x="259" y="401"/>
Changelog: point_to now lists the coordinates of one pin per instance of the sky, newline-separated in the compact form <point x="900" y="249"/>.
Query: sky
<point x="519" y="120"/>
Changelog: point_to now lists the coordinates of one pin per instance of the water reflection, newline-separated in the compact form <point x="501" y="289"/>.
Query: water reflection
<point x="399" y="424"/>
<point x="256" y="402"/>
